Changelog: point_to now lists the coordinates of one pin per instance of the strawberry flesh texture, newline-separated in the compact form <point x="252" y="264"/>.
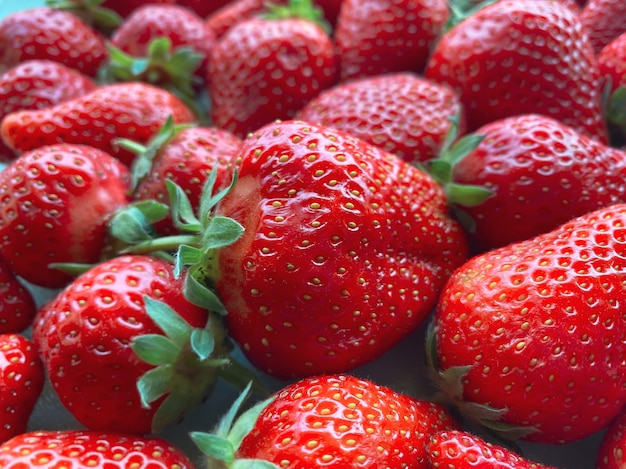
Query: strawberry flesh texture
<point x="84" y="338"/>
<point x="344" y="251"/>
<point x="540" y="324"/>
<point x="516" y="57"/>
<point x="342" y="422"/>
<point x="58" y="199"/>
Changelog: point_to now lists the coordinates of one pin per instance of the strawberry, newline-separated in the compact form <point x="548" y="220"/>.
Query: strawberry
<point x="612" y="65"/>
<point x="268" y="68"/>
<point x="124" y="349"/>
<point x="459" y="449"/>
<point x="124" y="110"/>
<point x="517" y="57"/>
<point x="612" y="450"/>
<point x="83" y="449"/>
<point x="223" y="19"/>
<point x="540" y="174"/>
<point x="603" y="20"/>
<point x="384" y="36"/>
<point x="37" y="84"/>
<point x="54" y="205"/>
<point x="329" y="421"/>
<point x="402" y="113"/>
<point x="17" y="305"/>
<point x="526" y="338"/>
<point x="344" y="250"/>
<point x="21" y="382"/>
<point x="47" y="33"/>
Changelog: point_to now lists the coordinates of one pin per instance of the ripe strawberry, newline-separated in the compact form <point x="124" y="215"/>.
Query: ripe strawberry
<point x="384" y="36"/>
<point x="540" y="174"/>
<point x="223" y="19"/>
<point x="612" y="65"/>
<point x="402" y="113"/>
<point x="331" y="421"/>
<point x="344" y="251"/>
<point x="108" y="376"/>
<point x="47" y="33"/>
<point x="37" y="84"/>
<point x="17" y="305"/>
<point x="603" y="20"/>
<point x="124" y="110"/>
<point x="83" y="449"/>
<point x="527" y="337"/>
<point x="268" y="68"/>
<point x="458" y="449"/>
<point x="516" y="57"/>
<point x="21" y="382"/>
<point x="54" y="205"/>
<point x="612" y="450"/>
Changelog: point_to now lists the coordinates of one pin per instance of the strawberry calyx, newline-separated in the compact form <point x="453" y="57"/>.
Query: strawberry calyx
<point x="187" y="363"/>
<point x="173" y="69"/>
<point x="221" y="445"/>
<point x="91" y="11"/>
<point x="616" y="116"/>
<point x="461" y="9"/>
<point x="451" y="384"/>
<point x="303" y="9"/>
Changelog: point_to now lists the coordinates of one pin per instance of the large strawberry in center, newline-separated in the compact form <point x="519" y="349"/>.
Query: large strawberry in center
<point x="344" y="251"/>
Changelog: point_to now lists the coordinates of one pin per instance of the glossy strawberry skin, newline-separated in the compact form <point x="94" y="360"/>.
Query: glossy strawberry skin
<point x="47" y="33"/>
<point x="612" y="450"/>
<point x="95" y="372"/>
<point x="342" y="422"/>
<point x="80" y="449"/>
<point x="514" y="57"/>
<point x="538" y="323"/>
<point x="402" y="113"/>
<point x="262" y="70"/>
<point x="604" y="20"/>
<point x="21" y="382"/>
<point x="344" y="251"/>
<point x="58" y="199"/>
<point x="221" y="20"/>
<point x="461" y="450"/>
<point x="37" y="84"/>
<point x="187" y="159"/>
<point x="132" y="110"/>
<point x="541" y="174"/>
<point x="17" y="305"/>
<point x="374" y="37"/>
<point x="612" y="62"/>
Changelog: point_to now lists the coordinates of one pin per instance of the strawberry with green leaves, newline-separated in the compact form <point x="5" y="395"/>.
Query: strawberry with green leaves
<point x="21" y="382"/>
<point x="17" y="305"/>
<point x="612" y="65"/>
<point x="55" y="203"/>
<point x="124" y="349"/>
<point x="337" y="421"/>
<point x="344" y="250"/>
<point x="521" y="57"/>
<point x="402" y="113"/>
<point x="50" y="34"/>
<point x="527" y="338"/>
<point x="84" y="449"/>
<point x="375" y="37"/>
<point x="268" y="67"/>
<point x="131" y="110"/>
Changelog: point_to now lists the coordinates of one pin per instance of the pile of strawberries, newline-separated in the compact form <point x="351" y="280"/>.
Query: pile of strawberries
<point x="253" y="192"/>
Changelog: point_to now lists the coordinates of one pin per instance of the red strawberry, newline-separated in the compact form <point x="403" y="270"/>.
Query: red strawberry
<point x="603" y="20"/>
<point x="402" y="113"/>
<point x="382" y="36"/>
<point x="108" y="376"/>
<point x="83" y="449"/>
<point x="17" y="306"/>
<point x="21" y="382"/>
<point x="344" y="251"/>
<point x="612" y="65"/>
<point x="54" y="205"/>
<point x="124" y="110"/>
<point x="521" y="57"/>
<point x="456" y="449"/>
<point x="527" y="338"/>
<point x="221" y="20"/>
<point x="265" y="69"/>
<point x="331" y="421"/>
<point x="47" y="33"/>
<point x="540" y="174"/>
<point x="37" y="84"/>
<point x="612" y="450"/>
